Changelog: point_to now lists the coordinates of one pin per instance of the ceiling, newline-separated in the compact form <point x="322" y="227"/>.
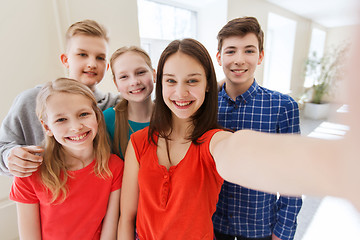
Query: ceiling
<point x="328" y="13"/>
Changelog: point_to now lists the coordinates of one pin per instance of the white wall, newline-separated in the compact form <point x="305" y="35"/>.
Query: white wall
<point x="211" y="18"/>
<point x="340" y="35"/>
<point x="32" y="39"/>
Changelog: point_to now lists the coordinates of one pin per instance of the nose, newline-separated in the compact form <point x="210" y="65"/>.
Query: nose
<point x="239" y="59"/>
<point x="134" y="81"/>
<point x="91" y="63"/>
<point x="182" y="90"/>
<point x="76" y="125"/>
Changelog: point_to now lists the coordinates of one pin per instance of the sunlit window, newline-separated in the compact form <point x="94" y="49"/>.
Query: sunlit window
<point x="159" y="24"/>
<point x="316" y="51"/>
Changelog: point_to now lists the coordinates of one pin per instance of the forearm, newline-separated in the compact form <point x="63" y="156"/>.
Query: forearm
<point x="110" y="223"/>
<point x="301" y="165"/>
<point x="126" y="230"/>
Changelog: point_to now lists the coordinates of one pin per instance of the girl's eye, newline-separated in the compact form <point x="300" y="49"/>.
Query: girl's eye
<point x="193" y="81"/>
<point x="84" y="114"/>
<point x="60" y="120"/>
<point x="141" y="72"/>
<point x="249" y="51"/>
<point x="82" y="54"/>
<point x="101" y="58"/>
<point x="123" y="77"/>
<point x="170" y="80"/>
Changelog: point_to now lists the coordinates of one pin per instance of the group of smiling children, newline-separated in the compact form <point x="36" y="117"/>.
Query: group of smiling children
<point x="177" y="149"/>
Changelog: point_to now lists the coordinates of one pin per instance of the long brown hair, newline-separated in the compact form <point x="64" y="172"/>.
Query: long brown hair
<point x="53" y="171"/>
<point x="205" y="117"/>
<point x="121" y="132"/>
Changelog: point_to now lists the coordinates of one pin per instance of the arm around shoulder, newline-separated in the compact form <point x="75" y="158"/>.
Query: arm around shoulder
<point x="20" y="127"/>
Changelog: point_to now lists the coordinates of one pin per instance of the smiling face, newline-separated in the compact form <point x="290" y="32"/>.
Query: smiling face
<point x="74" y="126"/>
<point x="239" y="58"/>
<point x="86" y="59"/>
<point x="133" y="77"/>
<point x="184" y="85"/>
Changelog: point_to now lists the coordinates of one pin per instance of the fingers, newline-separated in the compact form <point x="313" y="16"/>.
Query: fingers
<point x="23" y="161"/>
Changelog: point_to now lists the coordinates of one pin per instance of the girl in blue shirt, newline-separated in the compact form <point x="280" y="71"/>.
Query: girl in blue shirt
<point x="134" y="78"/>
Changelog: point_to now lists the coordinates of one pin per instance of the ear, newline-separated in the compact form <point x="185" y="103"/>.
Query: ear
<point x="65" y="60"/>
<point x="261" y="57"/>
<point x="154" y="75"/>
<point x="47" y="129"/>
<point x="218" y="58"/>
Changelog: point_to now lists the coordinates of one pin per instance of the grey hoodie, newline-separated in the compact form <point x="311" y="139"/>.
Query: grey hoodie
<point x="21" y="127"/>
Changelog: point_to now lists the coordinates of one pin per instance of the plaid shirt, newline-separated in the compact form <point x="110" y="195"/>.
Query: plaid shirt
<point x="242" y="211"/>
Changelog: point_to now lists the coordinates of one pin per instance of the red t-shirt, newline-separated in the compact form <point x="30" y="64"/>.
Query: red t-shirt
<point x="80" y="215"/>
<point x="179" y="203"/>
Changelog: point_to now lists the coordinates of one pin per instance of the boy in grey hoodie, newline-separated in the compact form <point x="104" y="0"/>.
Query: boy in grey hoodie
<point x="21" y="133"/>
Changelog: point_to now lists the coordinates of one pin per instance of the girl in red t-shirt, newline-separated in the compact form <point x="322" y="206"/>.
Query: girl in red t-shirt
<point x="171" y="177"/>
<point x="75" y="193"/>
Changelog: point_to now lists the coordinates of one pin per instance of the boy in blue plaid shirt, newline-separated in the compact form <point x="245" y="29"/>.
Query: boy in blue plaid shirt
<point x="243" y="104"/>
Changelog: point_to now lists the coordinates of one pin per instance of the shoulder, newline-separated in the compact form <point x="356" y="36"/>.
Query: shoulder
<point x="207" y="136"/>
<point x="106" y="100"/>
<point x="28" y="97"/>
<point x="115" y="162"/>
<point x="279" y="99"/>
<point x="109" y="113"/>
<point x="142" y="133"/>
<point x="140" y="140"/>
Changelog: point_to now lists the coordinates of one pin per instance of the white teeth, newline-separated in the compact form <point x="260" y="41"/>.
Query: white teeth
<point x="181" y="104"/>
<point x="136" y="91"/>
<point x="78" y="137"/>
<point x="239" y="71"/>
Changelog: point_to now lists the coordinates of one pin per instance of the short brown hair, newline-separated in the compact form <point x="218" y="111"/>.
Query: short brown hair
<point x="205" y="117"/>
<point x="87" y="27"/>
<point x="241" y="27"/>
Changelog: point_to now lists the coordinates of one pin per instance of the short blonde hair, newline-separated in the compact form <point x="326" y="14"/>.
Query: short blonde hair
<point x="87" y="27"/>
<point x="53" y="171"/>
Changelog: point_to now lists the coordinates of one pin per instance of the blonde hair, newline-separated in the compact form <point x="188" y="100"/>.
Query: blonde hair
<point x="87" y="27"/>
<point x="121" y="132"/>
<point x="53" y="171"/>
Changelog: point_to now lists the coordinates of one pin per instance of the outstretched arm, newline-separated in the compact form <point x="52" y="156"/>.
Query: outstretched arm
<point x="129" y="196"/>
<point x="29" y="221"/>
<point x="299" y="165"/>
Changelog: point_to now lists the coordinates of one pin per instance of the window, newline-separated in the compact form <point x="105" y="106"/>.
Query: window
<point x="280" y="40"/>
<point x="159" y="24"/>
<point x="316" y="51"/>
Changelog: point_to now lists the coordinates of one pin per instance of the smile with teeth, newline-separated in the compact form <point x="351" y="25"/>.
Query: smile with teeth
<point x="79" y="137"/>
<point x="91" y="73"/>
<point x="137" y="91"/>
<point x="182" y="103"/>
<point x="239" y="71"/>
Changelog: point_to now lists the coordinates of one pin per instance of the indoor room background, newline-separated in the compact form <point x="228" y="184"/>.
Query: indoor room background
<point x="32" y="39"/>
